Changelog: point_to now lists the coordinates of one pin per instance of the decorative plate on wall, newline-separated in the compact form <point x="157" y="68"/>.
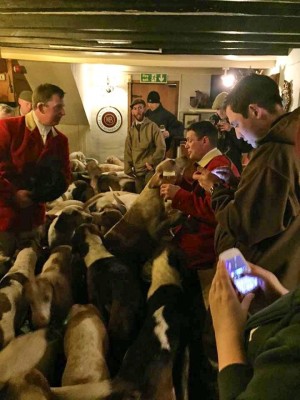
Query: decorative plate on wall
<point x="109" y="119"/>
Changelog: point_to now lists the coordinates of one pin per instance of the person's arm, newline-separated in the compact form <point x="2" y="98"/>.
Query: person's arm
<point x="191" y="203"/>
<point x="229" y="317"/>
<point x="128" y="164"/>
<point x="160" y="147"/>
<point x="7" y="169"/>
<point x="258" y="192"/>
<point x="175" y="127"/>
<point x="273" y="374"/>
<point x="237" y="378"/>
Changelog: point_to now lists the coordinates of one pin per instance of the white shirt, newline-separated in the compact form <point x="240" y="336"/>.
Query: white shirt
<point x="43" y="129"/>
<point x="209" y="156"/>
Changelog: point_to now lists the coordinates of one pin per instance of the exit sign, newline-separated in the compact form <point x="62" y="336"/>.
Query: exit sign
<point x="154" y="78"/>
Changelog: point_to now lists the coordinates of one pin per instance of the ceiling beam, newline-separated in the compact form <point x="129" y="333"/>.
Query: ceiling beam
<point x="273" y="50"/>
<point x="193" y="46"/>
<point x="153" y="23"/>
<point x="186" y="37"/>
<point x="258" y="7"/>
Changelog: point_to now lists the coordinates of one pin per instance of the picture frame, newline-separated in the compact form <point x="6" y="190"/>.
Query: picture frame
<point x="190" y="118"/>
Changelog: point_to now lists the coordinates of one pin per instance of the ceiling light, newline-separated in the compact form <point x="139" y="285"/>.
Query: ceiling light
<point x="228" y="79"/>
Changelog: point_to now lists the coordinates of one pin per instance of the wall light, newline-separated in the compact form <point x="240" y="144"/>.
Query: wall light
<point x="228" y="79"/>
<point x="109" y="87"/>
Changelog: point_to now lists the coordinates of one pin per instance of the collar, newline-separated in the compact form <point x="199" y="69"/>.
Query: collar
<point x="32" y="122"/>
<point x="139" y="122"/>
<point x="209" y="156"/>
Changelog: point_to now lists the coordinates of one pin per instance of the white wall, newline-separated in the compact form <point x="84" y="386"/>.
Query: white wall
<point x="91" y="81"/>
<point x="85" y="85"/>
<point x="292" y="73"/>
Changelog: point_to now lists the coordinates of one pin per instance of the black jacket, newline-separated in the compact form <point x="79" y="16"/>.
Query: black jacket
<point x="161" y="116"/>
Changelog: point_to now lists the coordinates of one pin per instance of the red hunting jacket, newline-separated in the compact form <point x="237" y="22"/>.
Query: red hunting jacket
<point x="21" y="147"/>
<point x="196" y="237"/>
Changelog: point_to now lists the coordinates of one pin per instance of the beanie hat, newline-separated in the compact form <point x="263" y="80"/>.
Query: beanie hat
<point x="153" y="97"/>
<point x="137" y="101"/>
<point x="26" y="95"/>
<point x="219" y="101"/>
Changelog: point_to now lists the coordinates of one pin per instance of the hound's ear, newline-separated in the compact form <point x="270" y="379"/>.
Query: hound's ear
<point x="94" y="229"/>
<point x="155" y="181"/>
<point x="61" y="222"/>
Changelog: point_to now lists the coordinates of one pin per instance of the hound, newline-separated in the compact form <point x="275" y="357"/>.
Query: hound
<point x="13" y="307"/>
<point x="112" y="286"/>
<point x="62" y="228"/>
<point x="50" y="294"/>
<point x="86" y="346"/>
<point x="149" y="218"/>
<point x="146" y="371"/>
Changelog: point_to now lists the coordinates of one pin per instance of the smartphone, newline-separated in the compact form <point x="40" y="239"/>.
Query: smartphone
<point x="238" y="269"/>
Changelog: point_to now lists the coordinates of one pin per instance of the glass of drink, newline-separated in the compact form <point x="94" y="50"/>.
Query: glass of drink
<point x="169" y="177"/>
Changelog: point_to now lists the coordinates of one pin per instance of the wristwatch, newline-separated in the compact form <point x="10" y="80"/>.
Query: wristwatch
<point x="214" y="186"/>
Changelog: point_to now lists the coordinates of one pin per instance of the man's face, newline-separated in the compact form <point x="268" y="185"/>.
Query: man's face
<point x="195" y="146"/>
<point x="153" y="106"/>
<point x="247" y="128"/>
<point x="53" y="111"/>
<point x="25" y="106"/>
<point x="138" y="112"/>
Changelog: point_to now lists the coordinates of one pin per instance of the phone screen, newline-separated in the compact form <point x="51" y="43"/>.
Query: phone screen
<point x="237" y="268"/>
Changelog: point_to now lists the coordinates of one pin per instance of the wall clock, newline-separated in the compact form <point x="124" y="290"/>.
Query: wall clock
<point x="109" y="119"/>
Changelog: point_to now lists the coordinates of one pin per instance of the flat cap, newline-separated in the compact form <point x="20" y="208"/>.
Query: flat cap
<point x="26" y="95"/>
<point x="137" y="101"/>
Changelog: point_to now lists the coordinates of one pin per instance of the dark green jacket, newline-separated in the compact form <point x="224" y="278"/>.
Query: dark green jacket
<point x="273" y="350"/>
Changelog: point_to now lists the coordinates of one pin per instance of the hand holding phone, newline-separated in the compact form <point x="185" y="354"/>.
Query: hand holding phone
<point x="239" y="270"/>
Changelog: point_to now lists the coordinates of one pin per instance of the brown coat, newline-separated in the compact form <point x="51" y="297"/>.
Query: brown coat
<point x="258" y="217"/>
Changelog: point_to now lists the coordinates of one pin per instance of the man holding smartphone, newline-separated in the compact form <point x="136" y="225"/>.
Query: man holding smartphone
<point x="261" y="215"/>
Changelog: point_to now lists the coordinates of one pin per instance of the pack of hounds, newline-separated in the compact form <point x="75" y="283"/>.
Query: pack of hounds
<point x="98" y="310"/>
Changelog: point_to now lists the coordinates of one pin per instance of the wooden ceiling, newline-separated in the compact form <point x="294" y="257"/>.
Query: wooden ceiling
<point x="223" y="27"/>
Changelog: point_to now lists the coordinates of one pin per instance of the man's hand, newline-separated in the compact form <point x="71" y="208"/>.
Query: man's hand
<point x="224" y="126"/>
<point x="166" y="134"/>
<point x="206" y="179"/>
<point x="23" y="198"/>
<point x="149" y="167"/>
<point x="226" y="175"/>
<point x="168" y="191"/>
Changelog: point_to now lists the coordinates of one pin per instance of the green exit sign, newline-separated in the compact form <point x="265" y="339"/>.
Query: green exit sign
<point x="154" y="78"/>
